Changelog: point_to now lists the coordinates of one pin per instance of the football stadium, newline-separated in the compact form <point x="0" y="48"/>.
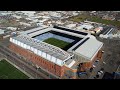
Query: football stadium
<point x="58" y="50"/>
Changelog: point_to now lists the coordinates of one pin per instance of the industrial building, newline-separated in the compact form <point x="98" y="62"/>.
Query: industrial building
<point x="78" y="56"/>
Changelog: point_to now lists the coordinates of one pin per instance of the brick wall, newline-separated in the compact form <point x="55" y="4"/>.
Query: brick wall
<point x="69" y="73"/>
<point x="88" y="65"/>
<point x="51" y="67"/>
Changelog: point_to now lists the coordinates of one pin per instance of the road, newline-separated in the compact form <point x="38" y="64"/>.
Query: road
<point x="23" y="65"/>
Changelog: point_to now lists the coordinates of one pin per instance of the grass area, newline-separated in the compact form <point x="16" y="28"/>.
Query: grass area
<point x="107" y="22"/>
<point x="7" y="71"/>
<point x="79" y="18"/>
<point x="83" y="17"/>
<point x="56" y="42"/>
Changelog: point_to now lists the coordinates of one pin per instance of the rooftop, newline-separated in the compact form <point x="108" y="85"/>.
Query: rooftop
<point x="2" y="31"/>
<point x="89" y="48"/>
<point x="42" y="46"/>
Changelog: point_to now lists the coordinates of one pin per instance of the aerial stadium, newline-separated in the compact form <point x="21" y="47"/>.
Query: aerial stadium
<point x="58" y="50"/>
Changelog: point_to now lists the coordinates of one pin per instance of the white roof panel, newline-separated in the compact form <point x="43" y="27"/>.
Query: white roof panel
<point x="89" y="48"/>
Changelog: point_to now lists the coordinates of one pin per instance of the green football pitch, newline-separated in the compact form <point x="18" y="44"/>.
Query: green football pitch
<point x="7" y="71"/>
<point x="59" y="43"/>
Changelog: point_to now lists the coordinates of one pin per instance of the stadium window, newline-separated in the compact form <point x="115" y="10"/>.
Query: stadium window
<point x="37" y="58"/>
<point x="50" y="66"/>
<point x="42" y="61"/>
<point x="45" y="63"/>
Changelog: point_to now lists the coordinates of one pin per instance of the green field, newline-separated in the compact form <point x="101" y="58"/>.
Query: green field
<point x="79" y="18"/>
<point x="82" y="17"/>
<point x="7" y="71"/>
<point x="59" y="43"/>
<point x="107" y="22"/>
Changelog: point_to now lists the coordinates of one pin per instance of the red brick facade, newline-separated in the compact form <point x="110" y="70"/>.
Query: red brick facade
<point x="71" y="75"/>
<point x="51" y="67"/>
<point x="88" y="65"/>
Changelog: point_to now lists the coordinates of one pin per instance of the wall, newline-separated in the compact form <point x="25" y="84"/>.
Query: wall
<point x="88" y="65"/>
<point x="51" y="67"/>
<point x="38" y="52"/>
<point x="69" y="73"/>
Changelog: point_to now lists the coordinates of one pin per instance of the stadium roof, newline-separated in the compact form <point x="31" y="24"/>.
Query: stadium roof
<point x="42" y="46"/>
<point x="89" y="49"/>
<point x="34" y="30"/>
